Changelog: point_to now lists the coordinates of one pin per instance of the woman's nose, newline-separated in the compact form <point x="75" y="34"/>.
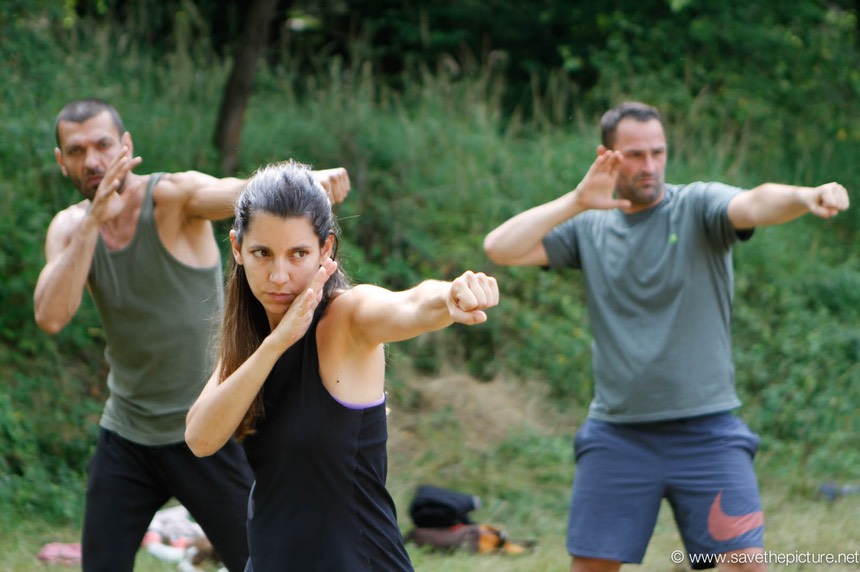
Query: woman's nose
<point x="279" y="273"/>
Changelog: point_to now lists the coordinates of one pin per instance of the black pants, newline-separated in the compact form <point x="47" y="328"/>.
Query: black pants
<point x="128" y="483"/>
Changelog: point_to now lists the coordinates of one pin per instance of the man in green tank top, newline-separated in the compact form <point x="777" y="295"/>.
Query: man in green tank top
<point x="144" y="247"/>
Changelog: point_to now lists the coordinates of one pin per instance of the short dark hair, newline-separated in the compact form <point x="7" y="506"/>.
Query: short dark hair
<point x="635" y="109"/>
<point x="80" y="110"/>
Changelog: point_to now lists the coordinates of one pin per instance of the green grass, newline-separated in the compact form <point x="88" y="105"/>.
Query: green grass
<point x="506" y="443"/>
<point x="535" y="510"/>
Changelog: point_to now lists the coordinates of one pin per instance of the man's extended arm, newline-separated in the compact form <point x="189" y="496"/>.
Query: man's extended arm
<point x="773" y="203"/>
<point x="213" y="199"/>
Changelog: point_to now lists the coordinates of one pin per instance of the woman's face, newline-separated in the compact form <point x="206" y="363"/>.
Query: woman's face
<point x="280" y="256"/>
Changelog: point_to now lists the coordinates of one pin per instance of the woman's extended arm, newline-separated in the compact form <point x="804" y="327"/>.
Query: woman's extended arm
<point x="376" y="315"/>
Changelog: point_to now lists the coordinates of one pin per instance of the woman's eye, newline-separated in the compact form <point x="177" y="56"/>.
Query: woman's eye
<point x="258" y="253"/>
<point x="301" y="253"/>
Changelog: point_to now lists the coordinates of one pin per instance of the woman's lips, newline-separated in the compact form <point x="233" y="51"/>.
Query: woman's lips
<point x="281" y="296"/>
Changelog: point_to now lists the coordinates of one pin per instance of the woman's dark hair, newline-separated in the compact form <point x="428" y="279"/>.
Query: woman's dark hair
<point x="286" y="190"/>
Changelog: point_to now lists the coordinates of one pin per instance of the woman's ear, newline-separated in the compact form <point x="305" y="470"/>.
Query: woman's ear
<point x="235" y="247"/>
<point x="328" y="246"/>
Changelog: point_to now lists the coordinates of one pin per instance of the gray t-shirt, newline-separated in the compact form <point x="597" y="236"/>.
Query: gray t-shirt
<point x="659" y="297"/>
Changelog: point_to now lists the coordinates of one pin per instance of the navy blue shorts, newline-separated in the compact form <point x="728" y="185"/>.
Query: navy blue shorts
<point x="703" y="466"/>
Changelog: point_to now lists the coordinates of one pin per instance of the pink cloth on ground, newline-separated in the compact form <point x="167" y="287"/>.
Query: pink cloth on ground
<point x="59" y="553"/>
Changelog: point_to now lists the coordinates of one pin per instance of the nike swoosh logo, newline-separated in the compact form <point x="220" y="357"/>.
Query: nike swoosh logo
<point x="723" y="526"/>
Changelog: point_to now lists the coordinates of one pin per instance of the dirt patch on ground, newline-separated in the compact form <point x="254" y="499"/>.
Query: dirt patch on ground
<point x="486" y="413"/>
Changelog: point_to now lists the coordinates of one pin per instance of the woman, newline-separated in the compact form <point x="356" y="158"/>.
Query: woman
<point x="300" y="380"/>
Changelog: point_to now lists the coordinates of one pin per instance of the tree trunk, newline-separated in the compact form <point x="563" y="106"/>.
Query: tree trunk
<point x="237" y="92"/>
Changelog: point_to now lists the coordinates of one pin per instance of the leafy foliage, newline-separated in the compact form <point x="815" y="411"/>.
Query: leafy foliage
<point x="439" y="157"/>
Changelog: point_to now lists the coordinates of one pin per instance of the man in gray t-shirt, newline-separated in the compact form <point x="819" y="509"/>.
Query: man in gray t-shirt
<point x="656" y="261"/>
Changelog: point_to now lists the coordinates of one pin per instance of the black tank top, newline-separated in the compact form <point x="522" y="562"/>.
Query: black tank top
<point x="319" y="502"/>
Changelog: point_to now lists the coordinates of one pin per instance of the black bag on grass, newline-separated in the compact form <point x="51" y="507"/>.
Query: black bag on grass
<point x="435" y="507"/>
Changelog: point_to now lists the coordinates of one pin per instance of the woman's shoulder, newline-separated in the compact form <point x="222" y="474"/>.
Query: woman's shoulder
<point x="354" y="295"/>
<point x="339" y="304"/>
<point x="343" y="311"/>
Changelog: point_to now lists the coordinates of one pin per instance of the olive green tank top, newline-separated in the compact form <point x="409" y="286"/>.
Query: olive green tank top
<point x="158" y="314"/>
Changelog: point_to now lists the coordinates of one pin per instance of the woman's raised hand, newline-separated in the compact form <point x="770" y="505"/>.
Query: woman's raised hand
<point x="298" y="317"/>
